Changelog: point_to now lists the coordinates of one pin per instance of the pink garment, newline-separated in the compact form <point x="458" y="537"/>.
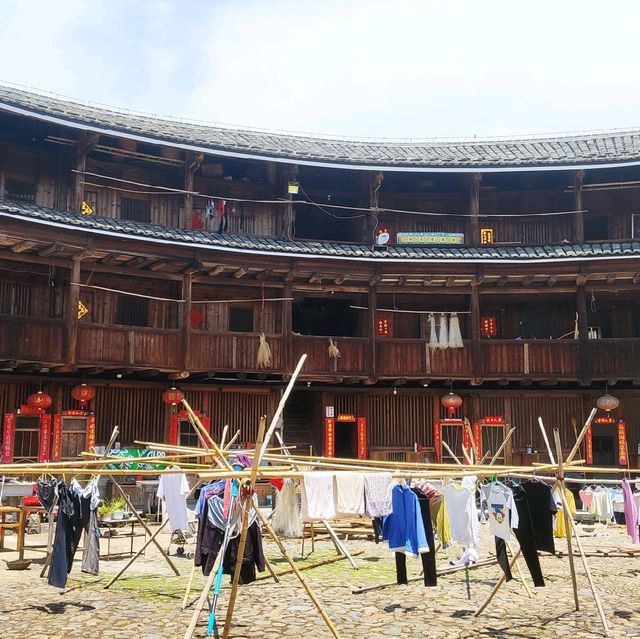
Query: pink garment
<point x="586" y="497"/>
<point x="630" y="511"/>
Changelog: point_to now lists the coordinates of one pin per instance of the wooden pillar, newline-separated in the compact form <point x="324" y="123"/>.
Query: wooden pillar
<point x="371" y="332"/>
<point x="578" y="178"/>
<point x="584" y="368"/>
<point x="290" y="173"/>
<point x="474" y="209"/>
<point x="287" y="346"/>
<point x="86" y="141"/>
<point x="191" y="165"/>
<point x="72" y="312"/>
<point x="476" y="345"/>
<point x="187" y="281"/>
<point x="374" y="182"/>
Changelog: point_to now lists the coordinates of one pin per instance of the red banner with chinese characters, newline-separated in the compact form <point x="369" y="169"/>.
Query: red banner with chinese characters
<point x="7" y="438"/>
<point x="57" y="438"/>
<point x="329" y="437"/>
<point x="466" y="443"/>
<point x="45" y="438"/>
<point x="91" y="431"/>
<point x="623" y="455"/>
<point x="362" y="437"/>
<point x="477" y="436"/>
<point x="588" y="447"/>
<point x="437" y="440"/>
<point x="173" y="430"/>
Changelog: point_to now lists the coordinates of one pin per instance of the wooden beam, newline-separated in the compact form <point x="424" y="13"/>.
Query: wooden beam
<point x="374" y="279"/>
<point x="264" y="275"/>
<point x="186" y="321"/>
<point x="316" y="278"/>
<point x="581" y="279"/>
<point x="474" y="208"/>
<point x="289" y="275"/>
<point x="450" y="281"/>
<point x="578" y="179"/>
<point x="426" y="281"/>
<point x="552" y="381"/>
<point x="636" y="278"/>
<point x="527" y="281"/>
<point x="340" y="279"/>
<point x="476" y="381"/>
<point x="502" y="280"/>
<point x="611" y="278"/>
<point x="136" y="261"/>
<point x="51" y="250"/>
<point x="85" y="143"/>
<point x="552" y="280"/>
<point x="192" y="162"/>
<point x="93" y="370"/>
<point x="526" y="382"/>
<point x="34" y="367"/>
<point x="241" y="272"/>
<point x="178" y="375"/>
<point x="192" y="267"/>
<point x="156" y="266"/>
<point x="7" y="364"/>
<point x="503" y="382"/>
<point x="23" y="246"/>
<point x="72" y="313"/>
<point x="216" y="270"/>
<point x="64" y="369"/>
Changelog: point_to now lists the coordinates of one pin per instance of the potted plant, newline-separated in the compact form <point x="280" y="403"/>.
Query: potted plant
<point x="112" y="508"/>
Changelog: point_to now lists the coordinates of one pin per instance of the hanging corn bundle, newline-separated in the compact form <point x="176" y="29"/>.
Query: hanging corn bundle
<point x="455" y="336"/>
<point x="334" y="351"/>
<point x="264" y="359"/>
<point x="443" y="341"/>
<point x="433" y="335"/>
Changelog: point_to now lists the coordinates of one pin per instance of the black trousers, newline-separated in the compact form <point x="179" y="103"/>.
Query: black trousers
<point x="526" y="537"/>
<point x="428" y="558"/>
<point x="74" y="515"/>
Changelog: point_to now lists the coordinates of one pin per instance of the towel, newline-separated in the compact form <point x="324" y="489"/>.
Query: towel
<point x="377" y="492"/>
<point x="349" y="494"/>
<point x="317" y="496"/>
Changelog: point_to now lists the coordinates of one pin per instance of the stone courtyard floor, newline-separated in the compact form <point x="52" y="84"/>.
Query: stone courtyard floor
<point x="146" y="603"/>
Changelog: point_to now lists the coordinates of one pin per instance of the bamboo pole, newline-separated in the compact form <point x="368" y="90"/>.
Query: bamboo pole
<point x="565" y="509"/>
<point x="188" y="589"/>
<point x="571" y="530"/>
<point x="223" y="439"/>
<point x="502" y="446"/>
<point x="497" y="587"/>
<point x="316" y="564"/>
<point x="246" y="509"/>
<point x="467" y="425"/>
<point x="455" y="458"/>
<point x="580" y="437"/>
<point x="546" y="440"/>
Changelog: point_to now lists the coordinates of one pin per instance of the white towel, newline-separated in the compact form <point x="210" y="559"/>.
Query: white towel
<point x="377" y="492"/>
<point x="317" y="496"/>
<point x="349" y="494"/>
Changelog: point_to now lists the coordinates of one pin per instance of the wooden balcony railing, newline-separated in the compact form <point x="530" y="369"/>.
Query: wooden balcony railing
<point x="34" y="339"/>
<point x="31" y="338"/>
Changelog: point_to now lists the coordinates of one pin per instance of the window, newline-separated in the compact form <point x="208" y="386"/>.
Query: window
<point x="27" y="438"/>
<point x="187" y="435"/>
<point x="596" y="228"/>
<point x="635" y="226"/>
<point x="20" y="191"/>
<point x="132" y="311"/>
<point x="15" y="299"/>
<point x="135" y="209"/>
<point x="240" y="319"/>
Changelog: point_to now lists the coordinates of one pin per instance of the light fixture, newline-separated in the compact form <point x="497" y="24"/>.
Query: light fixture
<point x="395" y="390"/>
<point x="118" y="375"/>
<point x="293" y="187"/>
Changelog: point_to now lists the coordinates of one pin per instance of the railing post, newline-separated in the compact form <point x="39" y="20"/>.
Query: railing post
<point x="186" y="321"/>
<point x="476" y="345"/>
<point x="371" y="330"/>
<point x="578" y="178"/>
<point x="584" y="365"/>
<point x="286" y="328"/>
<point x="72" y="313"/>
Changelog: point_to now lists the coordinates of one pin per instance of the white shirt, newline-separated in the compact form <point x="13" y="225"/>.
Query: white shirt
<point x="349" y="494"/>
<point x="463" y="514"/>
<point x="174" y="488"/>
<point x="601" y="504"/>
<point x="317" y="496"/>
<point x="503" y="515"/>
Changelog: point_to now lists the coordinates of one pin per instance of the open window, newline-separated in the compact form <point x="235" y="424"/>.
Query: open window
<point x="241" y="319"/>
<point x="135" y="209"/>
<point x="596" y="228"/>
<point x="318" y="316"/>
<point x="132" y="311"/>
<point x="20" y="191"/>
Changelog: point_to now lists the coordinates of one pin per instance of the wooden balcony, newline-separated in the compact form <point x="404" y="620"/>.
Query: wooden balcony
<point x="31" y="338"/>
<point x="37" y="340"/>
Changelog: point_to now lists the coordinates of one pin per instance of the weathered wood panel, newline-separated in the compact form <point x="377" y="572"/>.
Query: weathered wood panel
<point x="102" y="345"/>
<point x="351" y="361"/>
<point x="614" y="357"/>
<point x="31" y="338"/>
<point x="401" y="357"/>
<point x="553" y="357"/>
<point x="501" y="357"/>
<point x="231" y="351"/>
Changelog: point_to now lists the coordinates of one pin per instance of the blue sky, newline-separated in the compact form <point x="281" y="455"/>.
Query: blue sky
<point x="404" y="68"/>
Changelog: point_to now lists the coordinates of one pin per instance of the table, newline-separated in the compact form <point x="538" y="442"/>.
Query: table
<point x="112" y="524"/>
<point x="18" y="525"/>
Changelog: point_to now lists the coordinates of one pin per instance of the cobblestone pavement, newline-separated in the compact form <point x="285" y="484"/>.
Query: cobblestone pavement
<point x="146" y="603"/>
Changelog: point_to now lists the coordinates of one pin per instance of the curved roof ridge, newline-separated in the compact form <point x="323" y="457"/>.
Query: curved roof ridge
<point x="315" y="248"/>
<point x="606" y="148"/>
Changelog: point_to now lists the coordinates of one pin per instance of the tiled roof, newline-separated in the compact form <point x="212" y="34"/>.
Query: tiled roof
<point x="309" y="249"/>
<point x="617" y="147"/>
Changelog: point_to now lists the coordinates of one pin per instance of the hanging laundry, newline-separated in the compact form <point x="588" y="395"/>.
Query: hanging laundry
<point x="455" y="336"/>
<point x="601" y="505"/>
<point x="377" y="493"/>
<point x="525" y="534"/>
<point x="586" y="497"/>
<point x="463" y="514"/>
<point x="542" y="508"/>
<point x="210" y="211"/>
<point x="630" y="512"/>
<point x="503" y="515"/>
<point x="561" y="528"/>
<point x="404" y="528"/>
<point x="617" y="501"/>
<point x="173" y="488"/>
<point x="443" y="340"/>
<point x="286" y="515"/>
<point x="317" y="496"/>
<point x="433" y="336"/>
<point x="349" y="494"/>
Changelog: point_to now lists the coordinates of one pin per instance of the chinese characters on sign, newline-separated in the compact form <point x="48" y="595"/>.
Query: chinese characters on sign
<point x="429" y="238"/>
<point x="486" y="236"/>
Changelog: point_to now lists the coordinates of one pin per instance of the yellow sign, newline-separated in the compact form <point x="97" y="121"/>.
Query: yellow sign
<point x="82" y="310"/>
<point x="86" y="209"/>
<point x="486" y="236"/>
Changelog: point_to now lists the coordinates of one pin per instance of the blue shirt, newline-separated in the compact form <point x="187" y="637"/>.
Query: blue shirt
<point x="404" y="528"/>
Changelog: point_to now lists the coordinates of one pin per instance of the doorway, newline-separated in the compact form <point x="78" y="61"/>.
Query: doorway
<point x="604" y="451"/>
<point x="347" y="440"/>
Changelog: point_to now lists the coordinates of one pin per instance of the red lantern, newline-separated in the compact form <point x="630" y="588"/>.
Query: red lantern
<point x="451" y="402"/>
<point x="607" y="402"/>
<point x="39" y="400"/>
<point x="83" y="394"/>
<point x="172" y="396"/>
